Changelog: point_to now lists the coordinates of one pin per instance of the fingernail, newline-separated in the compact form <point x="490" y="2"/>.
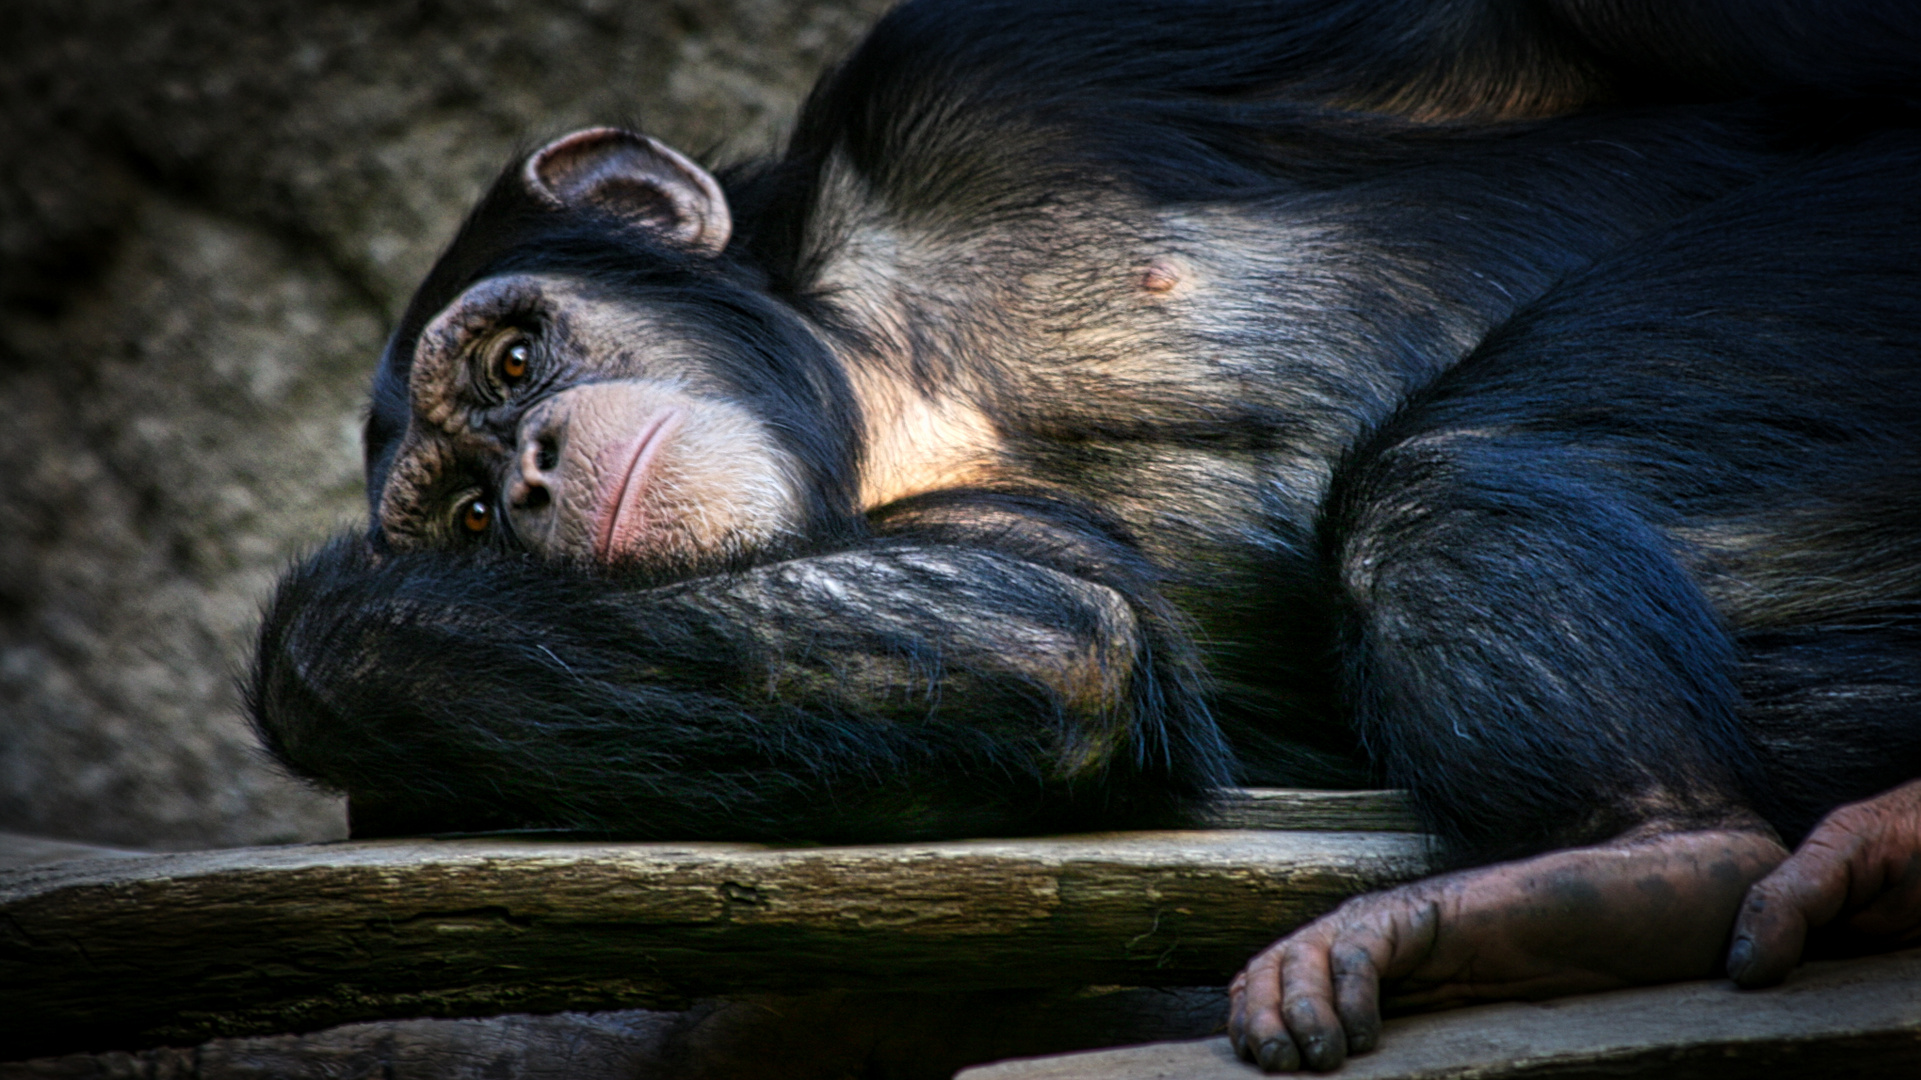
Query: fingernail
<point x="1314" y="1052"/>
<point x="1740" y="958"/>
<point x="1278" y="1055"/>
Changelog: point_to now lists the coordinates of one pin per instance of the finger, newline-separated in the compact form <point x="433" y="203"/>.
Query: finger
<point x="1357" y="995"/>
<point x="1277" y="1055"/>
<point x="1805" y="891"/>
<point x="1255" y="1024"/>
<point x="1307" y="993"/>
<point x="1769" y="934"/>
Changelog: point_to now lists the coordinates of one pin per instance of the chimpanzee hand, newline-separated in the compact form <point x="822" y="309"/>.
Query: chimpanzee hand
<point x="1641" y="910"/>
<point x="1863" y="862"/>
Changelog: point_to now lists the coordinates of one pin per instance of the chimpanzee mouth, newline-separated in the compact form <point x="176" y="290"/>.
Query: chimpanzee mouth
<point x="621" y="523"/>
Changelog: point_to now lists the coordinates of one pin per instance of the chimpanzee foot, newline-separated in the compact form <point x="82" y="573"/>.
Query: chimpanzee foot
<point x="1644" y="910"/>
<point x="1863" y="860"/>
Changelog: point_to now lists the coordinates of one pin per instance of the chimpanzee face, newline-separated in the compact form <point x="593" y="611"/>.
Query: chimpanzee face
<point x="550" y="415"/>
<point x="587" y="382"/>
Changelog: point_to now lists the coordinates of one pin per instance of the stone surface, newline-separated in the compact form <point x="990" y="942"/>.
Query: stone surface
<point x="209" y="213"/>
<point x="120" y="953"/>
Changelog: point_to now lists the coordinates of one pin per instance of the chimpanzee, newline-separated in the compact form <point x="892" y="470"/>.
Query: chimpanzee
<point x="1103" y="401"/>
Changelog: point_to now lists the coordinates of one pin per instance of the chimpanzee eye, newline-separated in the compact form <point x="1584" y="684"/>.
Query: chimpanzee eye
<point x="476" y="516"/>
<point x="509" y="358"/>
<point x="513" y="363"/>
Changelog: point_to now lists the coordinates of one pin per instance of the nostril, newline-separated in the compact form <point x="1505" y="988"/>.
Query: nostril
<point x="547" y="454"/>
<point x="535" y="497"/>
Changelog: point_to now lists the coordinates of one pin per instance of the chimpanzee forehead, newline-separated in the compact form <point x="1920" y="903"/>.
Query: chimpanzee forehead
<point x="582" y="331"/>
<point x="516" y="235"/>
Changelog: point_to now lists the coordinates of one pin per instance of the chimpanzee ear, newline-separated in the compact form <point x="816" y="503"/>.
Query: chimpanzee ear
<point x="634" y="177"/>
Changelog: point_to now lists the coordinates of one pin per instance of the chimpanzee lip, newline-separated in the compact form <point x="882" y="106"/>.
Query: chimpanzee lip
<point x="622" y="519"/>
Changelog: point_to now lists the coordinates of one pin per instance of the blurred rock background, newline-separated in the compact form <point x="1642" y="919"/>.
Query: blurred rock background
<point x="210" y="211"/>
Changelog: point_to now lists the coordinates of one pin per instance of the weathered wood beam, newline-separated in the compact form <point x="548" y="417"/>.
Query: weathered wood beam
<point x="129" y="952"/>
<point x="1856" y="1018"/>
<point x="1293" y="808"/>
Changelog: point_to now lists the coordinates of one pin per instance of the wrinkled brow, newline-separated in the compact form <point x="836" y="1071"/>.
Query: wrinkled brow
<point x="421" y="476"/>
<point x="440" y="356"/>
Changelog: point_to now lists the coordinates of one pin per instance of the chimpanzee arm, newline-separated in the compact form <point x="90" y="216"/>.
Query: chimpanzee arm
<point x="906" y="687"/>
<point x="1527" y="654"/>
<point x="1637" y="910"/>
<point x="1526" y="651"/>
<point x="1529" y="657"/>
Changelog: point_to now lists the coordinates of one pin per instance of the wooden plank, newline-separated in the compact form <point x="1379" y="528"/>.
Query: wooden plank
<point x="130" y="952"/>
<point x="1300" y="808"/>
<point x="1312" y="809"/>
<point x="1855" y="1018"/>
<point x="568" y="1046"/>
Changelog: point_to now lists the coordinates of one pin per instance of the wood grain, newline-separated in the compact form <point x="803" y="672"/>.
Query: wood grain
<point x="1297" y="808"/>
<point x="130" y="952"/>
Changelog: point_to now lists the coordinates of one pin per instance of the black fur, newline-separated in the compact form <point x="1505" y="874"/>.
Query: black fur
<point x="1630" y="489"/>
<point x="1567" y="470"/>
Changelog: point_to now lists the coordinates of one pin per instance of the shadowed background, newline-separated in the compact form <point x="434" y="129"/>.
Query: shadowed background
<point x="210" y="212"/>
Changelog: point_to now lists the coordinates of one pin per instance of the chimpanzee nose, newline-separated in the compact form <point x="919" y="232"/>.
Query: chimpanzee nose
<point x="531" y="489"/>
